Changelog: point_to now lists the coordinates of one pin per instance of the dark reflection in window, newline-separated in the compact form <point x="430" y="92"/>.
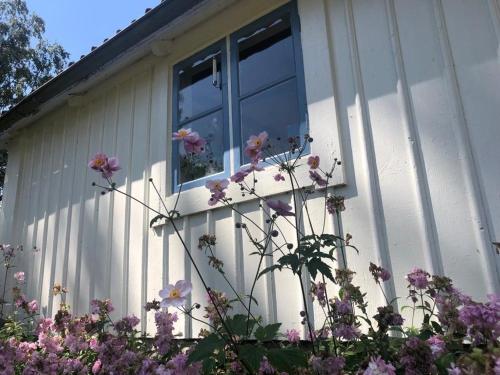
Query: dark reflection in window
<point x="198" y="89"/>
<point x="211" y="160"/>
<point x="274" y="110"/>
<point x="266" y="56"/>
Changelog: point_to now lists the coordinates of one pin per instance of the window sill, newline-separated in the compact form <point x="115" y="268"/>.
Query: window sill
<point x="195" y="200"/>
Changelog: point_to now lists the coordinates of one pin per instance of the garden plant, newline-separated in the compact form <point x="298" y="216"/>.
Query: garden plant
<point x="448" y="333"/>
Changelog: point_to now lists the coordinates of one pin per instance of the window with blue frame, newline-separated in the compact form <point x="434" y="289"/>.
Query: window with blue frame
<point x="267" y="88"/>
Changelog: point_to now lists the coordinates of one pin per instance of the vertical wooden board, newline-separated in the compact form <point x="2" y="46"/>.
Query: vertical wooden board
<point x="357" y="218"/>
<point x="223" y="227"/>
<point x="138" y="177"/>
<point x="24" y="208"/>
<point x="476" y="62"/>
<point x="120" y="214"/>
<point x="251" y="212"/>
<point x="65" y="199"/>
<point x="52" y="215"/>
<point x="197" y="228"/>
<point x="178" y="267"/>
<point x="288" y="295"/>
<point x="157" y="242"/>
<point x="40" y="217"/>
<point x="31" y="221"/>
<point x="104" y="229"/>
<point x="435" y="123"/>
<point x="91" y="196"/>
<point x="72" y="277"/>
<point x="394" y="185"/>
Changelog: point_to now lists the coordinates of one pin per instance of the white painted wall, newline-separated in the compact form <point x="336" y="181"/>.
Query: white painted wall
<point x="407" y="91"/>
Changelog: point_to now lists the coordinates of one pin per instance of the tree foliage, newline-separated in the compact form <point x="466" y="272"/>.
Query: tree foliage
<point x="27" y="59"/>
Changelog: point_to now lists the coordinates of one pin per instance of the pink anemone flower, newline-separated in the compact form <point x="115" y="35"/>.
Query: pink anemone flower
<point x="280" y="207"/>
<point x="175" y="295"/>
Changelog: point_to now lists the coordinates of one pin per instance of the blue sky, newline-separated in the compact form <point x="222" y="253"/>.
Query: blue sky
<point x="80" y="24"/>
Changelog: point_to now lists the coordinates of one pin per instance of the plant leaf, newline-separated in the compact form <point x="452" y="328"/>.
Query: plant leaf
<point x="287" y="359"/>
<point x="268" y="332"/>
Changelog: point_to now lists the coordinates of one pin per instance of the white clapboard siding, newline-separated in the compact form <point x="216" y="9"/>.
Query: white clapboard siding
<point x="405" y="92"/>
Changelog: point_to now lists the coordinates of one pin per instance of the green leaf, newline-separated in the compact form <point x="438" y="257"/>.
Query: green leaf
<point x="291" y="260"/>
<point x="317" y="265"/>
<point x="268" y="332"/>
<point x="252" y="355"/>
<point x="208" y="365"/>
<point x="239" y="325"/>
<point x="270" y="269"/>
<point x="205" y="348"/>
<point x="287" y="359"/>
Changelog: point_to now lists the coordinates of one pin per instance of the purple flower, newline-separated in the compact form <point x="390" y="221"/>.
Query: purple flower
<point x="418" y="278"/>
<point x="293" y="336"/>
<point x="19" y="276"/>
<point x="313" y="162"/>
<point x="107" y="166"/>
<point x="343" y="306"/>
<point x="318" y="291"/>
<point x="164" y="331"/>
<point x="265" y="367"/>
<point x="239" y="176"/>
<point x="316" y="177"/>
<point x="437" y="345"/>
<point x="127" y="324"/>
<point x="101" y="307"/>
<point x="378" y="366"/>
<point x="280" y="207"/>
<point x="328" y="366"/>
<point x="346" y="332"/>
<point x="379" y="273"/>
<point x="482" y="319"/>
<point x="279" y="177"/>
<point x="175" y="295"/>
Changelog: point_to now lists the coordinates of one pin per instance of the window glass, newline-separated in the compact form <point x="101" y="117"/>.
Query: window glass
<point x="199" y="89"/>
<point x="274" y="110"/>
<point x="211" y="160"/>
<point x="265" y="55"/>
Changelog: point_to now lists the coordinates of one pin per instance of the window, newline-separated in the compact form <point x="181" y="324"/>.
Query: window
<point x="267" y="93"/>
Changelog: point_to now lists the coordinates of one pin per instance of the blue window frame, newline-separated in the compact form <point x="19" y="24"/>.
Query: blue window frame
<point x="267" y="88"/>
<point x="267" y="83"/>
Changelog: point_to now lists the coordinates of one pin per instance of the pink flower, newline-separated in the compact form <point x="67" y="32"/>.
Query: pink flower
<point x="107" y="166"/>
<point x="313" y="162"/>
<point x="32" y="307"/>
<point x="378" y="366"/>
<point x="181" y="134"/>
<point x="217" y="188"/>
<point x="254" y="146"/>
<point x="254" y="167"/>
<point x="280" y="207"/>
<point x="316" y="177"/>
<point x="19" y="276"/>
<point x="239" y="176"/>
<point x="279" y="177"/>
<point x="194" y="144"/>
<point x="293" y="336"/>
<point x="93" y="343"/>
<point x="256" y="142"/>
<point x="175" y="295"/>
<point x="96" y="367"/>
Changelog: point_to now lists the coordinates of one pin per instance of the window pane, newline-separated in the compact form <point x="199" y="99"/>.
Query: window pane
<point x="211" y="160"/>
<point x="265" y="56"/>
<point x="274" y="110"/>
<point x="197" y="92"/>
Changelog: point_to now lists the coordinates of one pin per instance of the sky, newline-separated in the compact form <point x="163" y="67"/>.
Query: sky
<point x="78" y="25"/>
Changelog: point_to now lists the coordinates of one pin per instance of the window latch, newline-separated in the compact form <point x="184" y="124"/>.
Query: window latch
<point x="215" y="81"/>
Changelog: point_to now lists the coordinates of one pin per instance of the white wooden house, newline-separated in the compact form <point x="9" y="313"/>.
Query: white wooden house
<point x="405" y="92"/>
